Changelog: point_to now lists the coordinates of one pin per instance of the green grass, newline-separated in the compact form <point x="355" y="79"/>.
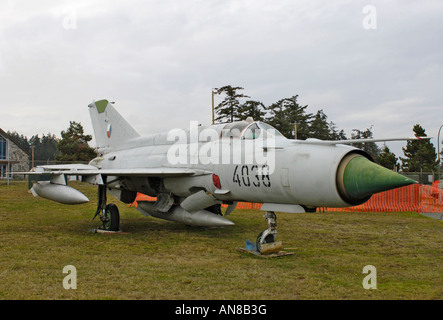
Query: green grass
<point x="159" y="259"/>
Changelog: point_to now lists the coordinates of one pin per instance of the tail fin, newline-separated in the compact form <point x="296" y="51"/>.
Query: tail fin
<point x="111" y="130"/>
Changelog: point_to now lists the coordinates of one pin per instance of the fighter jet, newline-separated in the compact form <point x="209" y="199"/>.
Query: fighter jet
<point x="191" y="172"/>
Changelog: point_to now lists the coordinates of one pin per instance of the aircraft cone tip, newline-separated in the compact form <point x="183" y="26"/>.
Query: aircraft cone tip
<point x="362" y="178"/>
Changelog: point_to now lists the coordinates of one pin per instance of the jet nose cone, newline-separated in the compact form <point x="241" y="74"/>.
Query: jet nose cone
<point x="358" y="178"/>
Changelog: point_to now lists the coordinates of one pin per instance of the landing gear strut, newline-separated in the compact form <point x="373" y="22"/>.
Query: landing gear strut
<point x="266" y="246"/>
<point x="267" y="236"/>
<point x="108" y="214"/>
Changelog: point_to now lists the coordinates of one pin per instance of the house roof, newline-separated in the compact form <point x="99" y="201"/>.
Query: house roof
<point x="14" y="141"/>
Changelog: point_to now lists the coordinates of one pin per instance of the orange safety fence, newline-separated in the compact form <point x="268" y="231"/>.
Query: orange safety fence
<point x="415" y="198"/>
<point x="240" y="205"/>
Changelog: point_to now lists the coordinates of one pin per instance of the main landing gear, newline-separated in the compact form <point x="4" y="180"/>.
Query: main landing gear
<point x="109" y="215"/>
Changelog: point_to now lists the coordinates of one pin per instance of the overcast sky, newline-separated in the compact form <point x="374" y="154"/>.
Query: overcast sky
<point x="365" y="63"/>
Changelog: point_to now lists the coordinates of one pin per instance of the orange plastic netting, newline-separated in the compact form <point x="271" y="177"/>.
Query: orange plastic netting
<point x="415" y="198"/>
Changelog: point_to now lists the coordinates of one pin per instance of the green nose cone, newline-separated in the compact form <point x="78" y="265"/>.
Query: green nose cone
<point x="362" y="178"/>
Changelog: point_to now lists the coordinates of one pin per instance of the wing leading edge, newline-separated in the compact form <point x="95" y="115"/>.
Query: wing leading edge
<point x="351" y="141"/>
<point x="88" y="170"/>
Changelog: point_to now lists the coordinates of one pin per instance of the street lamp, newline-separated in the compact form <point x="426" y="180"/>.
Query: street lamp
<point x="213" y="112"/>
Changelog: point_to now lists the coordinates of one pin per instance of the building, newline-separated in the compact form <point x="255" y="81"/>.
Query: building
<point x="13" y="158"/>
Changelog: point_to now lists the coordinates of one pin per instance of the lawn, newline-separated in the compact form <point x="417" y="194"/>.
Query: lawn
<point x="157" y="259"/>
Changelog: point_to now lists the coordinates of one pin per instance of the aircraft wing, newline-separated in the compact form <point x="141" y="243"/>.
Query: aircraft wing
<point x="88" y="170"/>
<point x="351" y="141"/>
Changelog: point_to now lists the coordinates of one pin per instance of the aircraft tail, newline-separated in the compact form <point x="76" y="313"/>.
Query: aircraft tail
<point x="111" y="130"/>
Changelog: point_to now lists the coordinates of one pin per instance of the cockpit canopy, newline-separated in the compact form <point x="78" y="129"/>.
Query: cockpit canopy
<point x="249" y="130"/>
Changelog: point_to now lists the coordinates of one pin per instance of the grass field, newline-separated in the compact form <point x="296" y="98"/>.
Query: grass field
<point x="158" y="259"/>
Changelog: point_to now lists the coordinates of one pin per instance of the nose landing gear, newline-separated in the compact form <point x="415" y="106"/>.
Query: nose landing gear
<point x="266" y="240"/>
<point x="265" y="245"/>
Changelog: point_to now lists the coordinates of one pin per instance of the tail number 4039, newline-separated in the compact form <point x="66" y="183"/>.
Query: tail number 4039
<point x="252" y="176"/>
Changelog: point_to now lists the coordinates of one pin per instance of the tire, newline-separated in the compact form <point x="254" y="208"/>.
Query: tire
<point x="269" y="239"/>
<point x="112" y="218"/>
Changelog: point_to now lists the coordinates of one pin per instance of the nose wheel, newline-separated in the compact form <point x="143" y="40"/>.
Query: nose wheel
<point x="266" y="246"/>
<point x="268" y="236"/>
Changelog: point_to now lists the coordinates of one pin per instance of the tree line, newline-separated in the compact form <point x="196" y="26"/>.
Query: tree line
<point x="287" y="114"/>
<point x="71" y="147"/>
<point x="283" y="115"/>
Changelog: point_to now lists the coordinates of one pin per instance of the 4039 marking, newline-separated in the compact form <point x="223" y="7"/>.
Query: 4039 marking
<point x="252" y="176"/>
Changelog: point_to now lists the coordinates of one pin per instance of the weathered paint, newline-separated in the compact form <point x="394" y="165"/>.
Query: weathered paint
<point x="101" y="105"/>
<point x="363" y="178"/>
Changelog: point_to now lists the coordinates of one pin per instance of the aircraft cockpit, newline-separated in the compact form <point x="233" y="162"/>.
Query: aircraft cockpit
<point x="249" y="130"/>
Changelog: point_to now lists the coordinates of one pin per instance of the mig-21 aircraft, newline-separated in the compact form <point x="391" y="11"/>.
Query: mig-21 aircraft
<point x="192" y="171"/>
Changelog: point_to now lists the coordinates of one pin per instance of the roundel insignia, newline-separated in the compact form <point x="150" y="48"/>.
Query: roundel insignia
<point x="109" y="130"/>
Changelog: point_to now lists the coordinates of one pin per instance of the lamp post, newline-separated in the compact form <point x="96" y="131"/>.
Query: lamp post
<point x="213" y="107"/>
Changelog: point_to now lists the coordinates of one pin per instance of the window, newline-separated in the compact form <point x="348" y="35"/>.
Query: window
<point x="234" y="129"/>
<point x="252" y="132"/>
<point x="270" y="129"/>
<point x="3" y="148"/>
<point x="248" y="130"/>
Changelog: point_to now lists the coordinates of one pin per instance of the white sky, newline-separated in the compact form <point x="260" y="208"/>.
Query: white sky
<point x="159" y="60"/>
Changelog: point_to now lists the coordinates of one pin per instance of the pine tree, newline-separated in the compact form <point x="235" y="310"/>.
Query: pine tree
<point x="21" y="140"/>
<point x="335" y="134"/>
<point x="73" y="145"/>
<point x="387" y="159"/>
<point x="228" y="109"/>
<point x="287" y="112"/>
<point x="319" y="127"/>
<point x="254" y="109"/>
<point x="420" y="155"/>
<point x="48" y="147"/>
<point x="369" y="147"/>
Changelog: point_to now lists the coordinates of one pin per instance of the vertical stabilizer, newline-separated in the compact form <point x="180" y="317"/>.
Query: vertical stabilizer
<point x="111" y="130"/>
